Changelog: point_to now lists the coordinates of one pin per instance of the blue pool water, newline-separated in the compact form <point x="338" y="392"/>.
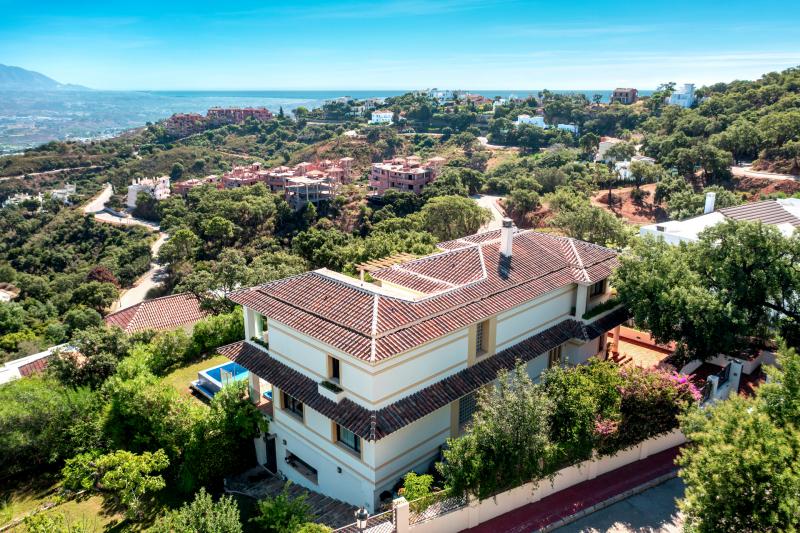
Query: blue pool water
<point x="239" y="372"/>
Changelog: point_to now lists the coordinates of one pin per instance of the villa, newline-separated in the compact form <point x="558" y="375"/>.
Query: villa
<point x="157" y="188"/>
<point x="383" y="116"/>
<point x="404" y="174"/>
<point x="783" y="214"/>
<point x="370" y="379"/>
<point x="175" y="311"/>
<point x="626" y="96"/>
<point x="538" y="121"/>
<point x="684" y="96"/>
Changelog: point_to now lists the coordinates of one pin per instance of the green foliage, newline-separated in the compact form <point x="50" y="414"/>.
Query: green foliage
<point x="126" y="476"/>
<point x="98" y="350"/>
<point x="311" y="527"/>
<point x="715" y="295"/>
<point x="416" y="486"/>
<point x="507" y="443"/>
<point x="577" y="218"/>
<point x="282" y="514"/>
<point x="215" y="331"/>
<point x="452" y="217"/>
<point x="53" y="523"/>
<point x="42" y="423"/>
<point x="202" y="515"/>
<point x="683" y="203"/>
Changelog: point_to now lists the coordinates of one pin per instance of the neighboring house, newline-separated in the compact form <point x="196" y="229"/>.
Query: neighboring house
<point x="165" y="313"/>
<point x="538" y="120"/>
<point x="784" y="214"/>
<point x="625" y="96"/>
<point x="382" y="117"/>
<point x="20" y="197"/>
<point x="604" y="145"/>
<point x="28" y="365"/>
<point x="404" y="174"/>
<point x="157" y="188"/>
<point x="623" y="168"/>
<point x="371" y="379"/>
<point x="683" y="96"/>
<point x="63" y="195"/>
<point x="533" y="121"/>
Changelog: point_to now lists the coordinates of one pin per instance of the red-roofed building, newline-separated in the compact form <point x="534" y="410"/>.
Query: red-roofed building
<point x="369" y="379"/>
<point x="404" y="174"/>
<point x="165" y="313"/>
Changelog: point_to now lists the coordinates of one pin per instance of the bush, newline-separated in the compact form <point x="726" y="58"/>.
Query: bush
<point x="202" y="515"/>
<point x="311" y="527"/>
<point x="282" y="514"/>
<point x="215" y="331"/>
<point x="169" y="348"/>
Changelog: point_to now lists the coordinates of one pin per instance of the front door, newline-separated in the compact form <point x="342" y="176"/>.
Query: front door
<point x="272" y="457"/>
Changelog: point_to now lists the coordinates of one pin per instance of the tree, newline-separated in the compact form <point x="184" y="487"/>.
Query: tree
<point x="282" y="514"/>
<point x="181" y="246"/>
<point x="176" y="172"/>
<point x="714" y="295"/>
<point x="126" y="476"/>
<point x="507" y="443"/>
<point x="739" y="471"/>
<point x="522" y="201"/>
<point x="452" y="217"/>
<point x="589" y="142"/>
<point x="98" y="350"/>
<point x="95" y="295"/>
<point x="684" y="203"/>
<point x="202" y="515"/>
<point x="620" y="152"/>
<point x="581" y="220"/>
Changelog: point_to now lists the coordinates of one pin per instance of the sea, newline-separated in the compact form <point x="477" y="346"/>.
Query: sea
<point x="28" y="119"/>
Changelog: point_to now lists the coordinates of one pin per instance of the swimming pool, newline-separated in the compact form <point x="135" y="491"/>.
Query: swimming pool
<point x="211" y="380"/>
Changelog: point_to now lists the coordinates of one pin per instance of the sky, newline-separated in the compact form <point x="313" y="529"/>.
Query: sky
<point x="398" y="44"/>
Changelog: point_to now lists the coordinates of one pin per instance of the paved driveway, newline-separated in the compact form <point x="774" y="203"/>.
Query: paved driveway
<point x="490" y="202"/>
<point x="654" y="510"/>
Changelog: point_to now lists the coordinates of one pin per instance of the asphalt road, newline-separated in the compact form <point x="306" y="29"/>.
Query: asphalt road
<point x="490" y="202"/>
<point x="654" y="510"/>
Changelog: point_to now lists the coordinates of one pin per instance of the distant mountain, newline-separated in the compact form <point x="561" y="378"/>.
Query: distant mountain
<point x="19" y="79"/>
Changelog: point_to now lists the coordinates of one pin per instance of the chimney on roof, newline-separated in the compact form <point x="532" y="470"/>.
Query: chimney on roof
<point x="710" y="198"/>
<point x="506" y="237"/>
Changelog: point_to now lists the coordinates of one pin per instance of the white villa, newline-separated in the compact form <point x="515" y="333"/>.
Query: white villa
<point x="157" y="188"/>
<point x="784" y="214"/>
<point x="382" y="117"/>
<point x="538" y="120"/>
<point x="683" y="96"/>
<point x="370" y="379"/>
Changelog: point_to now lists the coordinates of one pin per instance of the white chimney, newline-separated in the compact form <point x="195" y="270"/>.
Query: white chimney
<point x="506" y="237"/>
<point x="710" y="197"/>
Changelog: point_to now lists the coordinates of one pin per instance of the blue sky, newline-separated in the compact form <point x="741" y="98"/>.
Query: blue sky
<point x="398" y="44"/>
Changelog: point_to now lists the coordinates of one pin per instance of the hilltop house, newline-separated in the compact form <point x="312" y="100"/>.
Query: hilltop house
<point x="370" y="379"/>
<point x="538" y="120"/>
<point x="684" y="96"/>
<point x="157" y="188"/>
<point x="626" y="95"/>
<point x="783" y="213"/>
<point x="404" y="174"/>
<point x="384" y="116"/>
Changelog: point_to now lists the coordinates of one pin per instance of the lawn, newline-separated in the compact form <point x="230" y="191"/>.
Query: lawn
<point x="181" y="377"/>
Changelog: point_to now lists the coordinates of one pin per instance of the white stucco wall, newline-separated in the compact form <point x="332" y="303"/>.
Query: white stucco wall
<point x="516" y="325"/>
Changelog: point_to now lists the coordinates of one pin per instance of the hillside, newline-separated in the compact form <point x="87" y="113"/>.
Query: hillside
<point x="19" y="79"/>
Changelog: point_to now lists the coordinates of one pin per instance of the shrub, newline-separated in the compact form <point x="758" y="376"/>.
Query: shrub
<point x="311" y="527"/>
<point x="282" y="514"/>
<point x="202" y="515"/>
<point x="416" y="486"/>
<point x="169" y="348"/>
<point x="215" y="331"/>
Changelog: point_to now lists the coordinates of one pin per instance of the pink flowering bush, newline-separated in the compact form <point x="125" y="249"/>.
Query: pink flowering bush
<point x="651" y="400"/>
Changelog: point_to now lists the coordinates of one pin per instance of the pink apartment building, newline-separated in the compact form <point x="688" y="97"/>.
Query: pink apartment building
<point x="404" y="174"/>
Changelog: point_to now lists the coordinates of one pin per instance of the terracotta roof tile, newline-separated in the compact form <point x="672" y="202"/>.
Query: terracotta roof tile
<point x="467" y="282"/>
<point x="168" y="312"/>
<point x="768" y="212"/>
<point x="376" y="424"/>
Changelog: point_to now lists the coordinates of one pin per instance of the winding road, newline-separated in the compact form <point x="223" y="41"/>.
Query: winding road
<point x="748" y="172"/>
<point x="490" y="202"/>
<point x="150" y="279"/>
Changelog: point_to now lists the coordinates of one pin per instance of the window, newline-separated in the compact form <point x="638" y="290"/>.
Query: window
<point x="481" y="338"/>
<point x="466" y="408"/>
<point x="292" y="404"/>
<point x="333" y="369"/>
<point x="554" y="357"/>
<point x="347" y="438"/>
<point x="597" y="289"/>
<point x="308" y="471"/>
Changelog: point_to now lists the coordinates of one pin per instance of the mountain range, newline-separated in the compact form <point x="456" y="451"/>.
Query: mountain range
<point x="20" y="79"/>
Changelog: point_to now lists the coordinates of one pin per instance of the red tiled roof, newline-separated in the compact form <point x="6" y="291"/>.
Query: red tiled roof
<point x="34" y="367"/>
<point x="376" y="424"/>
<point x="168" y="312"/>
<point x="467" y="282"/>
<point x="768" y="212"/>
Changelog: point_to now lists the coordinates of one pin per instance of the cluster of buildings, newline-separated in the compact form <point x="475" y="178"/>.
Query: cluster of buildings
<point x="157" y="188"/>
<point x="538" y="120"/>
<point x="368" y="380"/>
<point x="189" y="123"/>
<point x="63" y="195"/>
<point x="300" y="184"/>
<point x="408" y="174"/>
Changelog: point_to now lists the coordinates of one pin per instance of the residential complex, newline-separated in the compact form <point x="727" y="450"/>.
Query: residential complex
<point x="157" y="188"/>
<point x="538" y="120"/>
<point x="370" y="379"/>
<point x="682" y="96"/>
<point x="189" y="123"/>
<point x="300" y="184"/>
<point x="625" y="95"/>
<point x="404" y="174"/>
<point x="783" y="213"/>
